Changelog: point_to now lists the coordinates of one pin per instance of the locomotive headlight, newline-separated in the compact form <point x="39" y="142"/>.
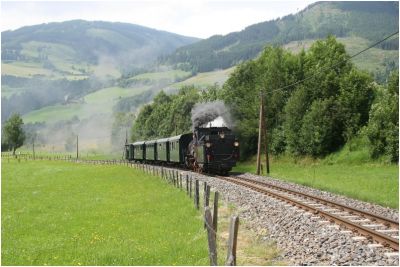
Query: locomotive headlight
<point x="222" y="135"/>
<point x="236" y="143"/>
<point x="208" y="144"/>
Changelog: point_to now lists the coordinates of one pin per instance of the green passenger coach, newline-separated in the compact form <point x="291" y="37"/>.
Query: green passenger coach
<point x="162" y="150"/>
<point x="151" y="150"/>
<point x="178" y="146"/>
<point x="139" y="150"/>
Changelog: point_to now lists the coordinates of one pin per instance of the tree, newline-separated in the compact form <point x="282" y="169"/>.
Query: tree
<point x="321" y="130"/>
<point x="295" y="110"/>
<point x="13" y="133"/>
<point x="383" y="126"/>
<point x="167" y="115"/>
<point x="355" y="99"/>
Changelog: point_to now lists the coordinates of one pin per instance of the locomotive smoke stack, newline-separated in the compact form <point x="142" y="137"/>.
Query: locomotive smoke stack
<point x="203" y="113"/>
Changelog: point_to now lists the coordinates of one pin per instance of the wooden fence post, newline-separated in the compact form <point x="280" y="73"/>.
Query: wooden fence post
<point x="205" y="190"/>
<point x="187" y="184"/>
<point x="207" y="196"/>
<point x="232" y="242"/>
<point x="196" y="199"/>
<point x="212" y="244"/>
<point x="215" y="213"/>
<point x="190" y="187"/>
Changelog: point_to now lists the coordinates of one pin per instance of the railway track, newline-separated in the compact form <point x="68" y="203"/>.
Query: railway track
<point x="373" y="227"/>
<point x="369" y="226"/>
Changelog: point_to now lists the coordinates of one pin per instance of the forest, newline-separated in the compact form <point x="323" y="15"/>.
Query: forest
<point x="367" y="20"/>
<point x="316" y="102"/>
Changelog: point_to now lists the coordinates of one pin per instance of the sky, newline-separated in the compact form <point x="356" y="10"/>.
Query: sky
<point x="196" y="18"/>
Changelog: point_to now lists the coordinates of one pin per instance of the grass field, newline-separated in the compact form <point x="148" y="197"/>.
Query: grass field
<point x="371" y="182"/>
<point x="24" y="69"/>
<point x="57" y="213"/>
<point x="206" y="78"/>
<point x="170" y="75"/>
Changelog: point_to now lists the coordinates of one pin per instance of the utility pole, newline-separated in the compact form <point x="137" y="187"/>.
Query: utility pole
<point x="126" y="143"/>
<point x="262" y="134"/>
<point x="33" y="148"/>
<point x="77" y="148"/>
<point x="265" y="141"/>
<point x="260" y="131"/>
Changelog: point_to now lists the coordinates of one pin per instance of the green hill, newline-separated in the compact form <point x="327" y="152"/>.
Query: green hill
<point x="78" y="48"/>
<point x="364" y="22"/>
<point x="59" y="63"/>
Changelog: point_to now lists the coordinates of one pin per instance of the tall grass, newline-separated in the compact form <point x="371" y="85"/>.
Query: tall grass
<point x="57" y="213"/>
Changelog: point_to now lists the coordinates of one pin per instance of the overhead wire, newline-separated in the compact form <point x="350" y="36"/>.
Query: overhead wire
<point x="341" y="62"/>
<point x="323" y="69"/>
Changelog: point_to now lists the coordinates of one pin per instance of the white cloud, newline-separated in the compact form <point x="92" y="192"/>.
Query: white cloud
<point x="192" y="18"/>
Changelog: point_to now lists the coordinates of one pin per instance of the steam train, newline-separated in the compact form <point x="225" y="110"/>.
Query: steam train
<point x="211" y="150"/>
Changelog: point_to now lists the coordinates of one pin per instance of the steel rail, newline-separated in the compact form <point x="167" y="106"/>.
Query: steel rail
<point x="386" y="221"/>
<point x="354" y="227"/>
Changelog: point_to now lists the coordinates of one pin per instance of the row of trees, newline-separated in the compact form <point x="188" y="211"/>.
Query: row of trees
<point x="334" y="103"/>
<point x="328" y="108"/>
<point x="170" y="115"/>
<point x="167" y="115"/>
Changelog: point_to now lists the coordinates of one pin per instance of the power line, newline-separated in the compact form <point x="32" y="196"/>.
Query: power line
<point x="323" y="69"/>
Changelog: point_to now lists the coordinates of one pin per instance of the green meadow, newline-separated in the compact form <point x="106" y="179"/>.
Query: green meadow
<point x="170" y="75"/>
<point x="372" y="182"/>
<point x="60" y="213"/>
<point x="206" y="78"/>
<point x="99" y="102"/>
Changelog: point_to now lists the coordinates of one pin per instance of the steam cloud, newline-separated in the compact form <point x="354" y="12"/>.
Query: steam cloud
<point x="202" y="113"/>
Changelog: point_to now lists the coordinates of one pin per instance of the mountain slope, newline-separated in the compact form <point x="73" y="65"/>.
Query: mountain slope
<point x="367" y="20"/>
<point x="74" y="47"/>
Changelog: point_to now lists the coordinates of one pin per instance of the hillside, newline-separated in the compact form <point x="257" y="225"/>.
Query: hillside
<point x="360" y="22"/>
<point x="56" y="63"/>
<point x="78" y="48"/>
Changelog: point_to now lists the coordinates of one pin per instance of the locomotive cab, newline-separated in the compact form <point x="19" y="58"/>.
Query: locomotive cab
<point x="214" y="149"/>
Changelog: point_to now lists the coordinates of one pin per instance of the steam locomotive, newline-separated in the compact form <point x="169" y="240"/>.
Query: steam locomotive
<point x="211" y="150"/>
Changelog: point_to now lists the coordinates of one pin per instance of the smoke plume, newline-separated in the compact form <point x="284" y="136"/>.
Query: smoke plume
<point x="203" y="113"/>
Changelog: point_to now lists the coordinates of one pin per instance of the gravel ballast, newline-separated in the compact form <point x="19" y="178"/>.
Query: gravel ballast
<point x="303" y="238"/>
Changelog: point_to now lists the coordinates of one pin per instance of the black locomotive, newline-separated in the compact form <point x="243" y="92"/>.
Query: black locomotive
<point x="212" y="150"/>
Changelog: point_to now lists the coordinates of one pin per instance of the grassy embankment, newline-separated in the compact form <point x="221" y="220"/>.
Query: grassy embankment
<point x="347" y="172"/>
<point x="57" y="213"/>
